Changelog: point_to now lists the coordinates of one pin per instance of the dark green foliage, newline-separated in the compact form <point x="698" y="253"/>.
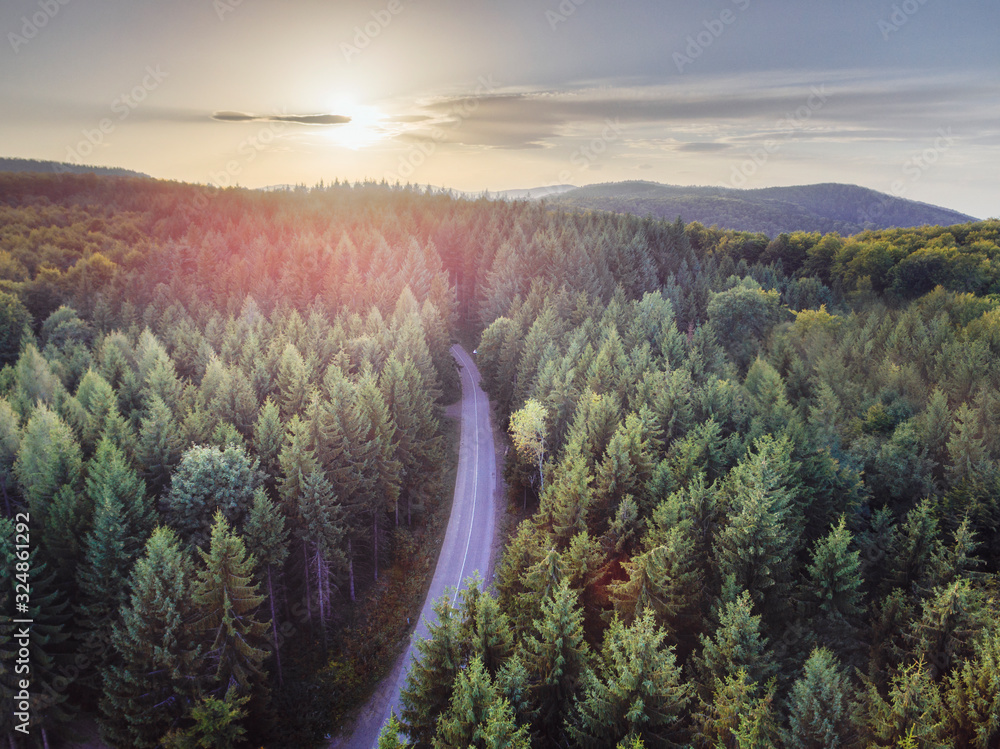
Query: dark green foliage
<point x="822" y="710"/>
<point x="225" y="598"/>
<point x="209" y="479"/>
<point x="556" y="658"/>
<point x="430" y="683"/>
<point x="756" y="549"/>
<point x="763" y="445"/>
<point x="736" y="645"/>
<point x="15" y="325"/>
<point x="148" y="689"/>
<point x="216" y="724"/>
<point x="160" y="445"/>
<point x="636" y="691"/>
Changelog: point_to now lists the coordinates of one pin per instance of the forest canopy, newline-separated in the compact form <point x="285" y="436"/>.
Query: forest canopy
<point x="760" y="474"/>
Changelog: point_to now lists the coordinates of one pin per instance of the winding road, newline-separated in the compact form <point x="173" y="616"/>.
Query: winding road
<point x="467" y="545"/>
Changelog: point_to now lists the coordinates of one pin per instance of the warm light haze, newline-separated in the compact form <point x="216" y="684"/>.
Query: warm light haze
<point x="901" y="97"/>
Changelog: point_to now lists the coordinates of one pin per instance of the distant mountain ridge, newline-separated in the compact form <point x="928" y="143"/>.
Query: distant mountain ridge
<point x="829" y="207"/>
<point x="62" y="167"/>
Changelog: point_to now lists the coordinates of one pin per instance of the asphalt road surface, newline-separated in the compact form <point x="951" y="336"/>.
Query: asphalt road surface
<point x="466" y="549"/>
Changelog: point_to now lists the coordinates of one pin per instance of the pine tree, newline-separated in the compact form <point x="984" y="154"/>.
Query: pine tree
<point x="160" y="445"/>
<point x="822" y="709"/>
<point x="757" y="547"/>
<point x="835" y="584"/>
<point x="913" y="548"/>
<point x="491" y="636"/>
<point x="429" y="685"/>
<point x="265" y="533"/>
<point x="386" y="467"/>
<point x="322" y="529"/>
<point x="234" y="641"/>
<point x="389" y="736"/>
<point x="48" y="648"/>
<point x="667" y="580"/>
<point x="215" y="724"/>
<point x="123" y="520"/>
<point x="49" y="468"/>
<point x="348" y="456"/>
<point x="556" y="658"/>
<point x="736" y="645"/>
<point x="417" y="440"/>
<point x="943" y="634"/>
<point x="150" y="689"/>
<point x="637" y="691"/>
<point x="268" y="434"/>
<point x="292" y="383"/>
<point x="460" y="726"/>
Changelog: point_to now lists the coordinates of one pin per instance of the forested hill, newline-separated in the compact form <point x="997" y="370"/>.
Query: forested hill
<point x="62" y="167"/>
<point x="760" y="477"/>
<point x="846" y="209"/>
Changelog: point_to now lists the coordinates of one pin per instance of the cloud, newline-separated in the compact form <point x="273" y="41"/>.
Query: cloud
<point x="703" y="147"/>
<point x="722" y="110"/>
<point x="302" y="119"/>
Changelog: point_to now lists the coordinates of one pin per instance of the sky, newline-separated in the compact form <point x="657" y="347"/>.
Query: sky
<point x="902" y="96"/>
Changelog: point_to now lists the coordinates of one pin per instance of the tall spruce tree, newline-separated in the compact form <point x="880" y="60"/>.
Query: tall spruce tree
<point x="430" y="683"/>
<point x="266" y="534"/>
<point x="233" y="640"/>
<point x="557" y="659"/>
<point x="150" y="687"/>
<point x="822" y="709"/>
<point x="637" y="691"/>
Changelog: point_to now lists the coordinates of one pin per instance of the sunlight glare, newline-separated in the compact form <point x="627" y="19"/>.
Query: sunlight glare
<point x="365" y="128"/>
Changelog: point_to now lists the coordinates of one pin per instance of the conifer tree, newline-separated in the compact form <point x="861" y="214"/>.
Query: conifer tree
<point x="210" y="479"/>
<point x="10" y="442"/>
<point x="292" y="382"/>
<point x="636" y="692"/>
<point x="417" y="441"/>
<point x="233" y="640"/>
<point x="835" y="584"/>
<point x="214" y="724"/>
<point x="971" y="694"/>
<point x="49" y="468"/>
<point x="736" y="645"/>
<point x="386" y="467"/>
<point x="430" y="683"/>
<point x="265" y="533"/>
<point x="913" y="713"/>
<point x="667" y="581"/>
<point x="741" y="715"/>
<point x="491" y="637"/>
<point x="477" y="716"/>
<point x="48" y="648"/>
<point x="557" y="658"/>
<point x="268" y="434"/>
<point x="123" y="520"/>
<point x="952" y="616"/>
<point x="757" y="547"/>
<point x="160" y="445"/>
<point x="389" y="736"/>
<point x="822" y="709"/>
<point x="148" y="691"/>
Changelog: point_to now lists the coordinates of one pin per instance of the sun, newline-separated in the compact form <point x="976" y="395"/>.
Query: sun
<point x="366" y="128"/>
